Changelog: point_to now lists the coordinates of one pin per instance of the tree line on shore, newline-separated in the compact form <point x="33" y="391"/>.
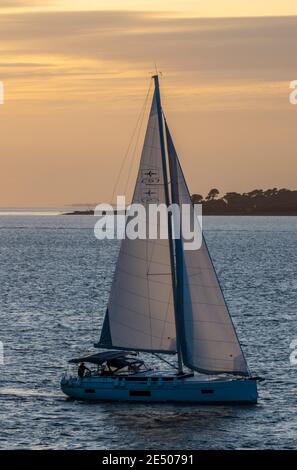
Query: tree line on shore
<point x="257" y="202"/>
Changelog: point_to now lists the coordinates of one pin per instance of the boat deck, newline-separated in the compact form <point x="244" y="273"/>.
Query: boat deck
<point x="164" y="375"/>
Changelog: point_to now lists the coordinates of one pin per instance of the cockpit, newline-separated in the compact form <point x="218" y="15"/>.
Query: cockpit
<point x="111" y="363"/>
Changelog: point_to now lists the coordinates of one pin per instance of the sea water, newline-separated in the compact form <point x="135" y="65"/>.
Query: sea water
<point x="55" y="277"/>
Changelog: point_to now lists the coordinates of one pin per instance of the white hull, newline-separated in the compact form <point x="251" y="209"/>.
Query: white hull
<point x="196" y="389"/>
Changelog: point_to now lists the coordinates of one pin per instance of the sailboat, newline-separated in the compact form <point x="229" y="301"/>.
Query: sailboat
<point x="167" y="301"/>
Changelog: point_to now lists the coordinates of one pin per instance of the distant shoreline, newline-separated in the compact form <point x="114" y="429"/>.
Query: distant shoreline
<point x="204" y="213"/>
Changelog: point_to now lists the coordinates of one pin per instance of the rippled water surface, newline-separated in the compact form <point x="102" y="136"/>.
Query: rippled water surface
<point x="54" y="283"/>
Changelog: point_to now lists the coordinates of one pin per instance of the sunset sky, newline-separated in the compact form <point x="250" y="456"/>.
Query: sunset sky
<point x="76" y="74"/>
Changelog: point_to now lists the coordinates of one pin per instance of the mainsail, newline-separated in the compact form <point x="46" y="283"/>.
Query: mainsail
<point x="140" y="314"/>
<point x="209" y="341"/>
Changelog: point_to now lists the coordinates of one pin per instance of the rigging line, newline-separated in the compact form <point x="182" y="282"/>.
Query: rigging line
<point x="140" y="116"/>
<point x="137" y="133"/>
<point x="164" y="360"/>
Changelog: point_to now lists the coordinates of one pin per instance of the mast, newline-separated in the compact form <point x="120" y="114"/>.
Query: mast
<point x="171" y="245"/>
<point x="179" y="256"/>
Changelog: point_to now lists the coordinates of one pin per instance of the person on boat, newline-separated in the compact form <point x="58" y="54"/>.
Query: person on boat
<point x="82" y="369"/>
